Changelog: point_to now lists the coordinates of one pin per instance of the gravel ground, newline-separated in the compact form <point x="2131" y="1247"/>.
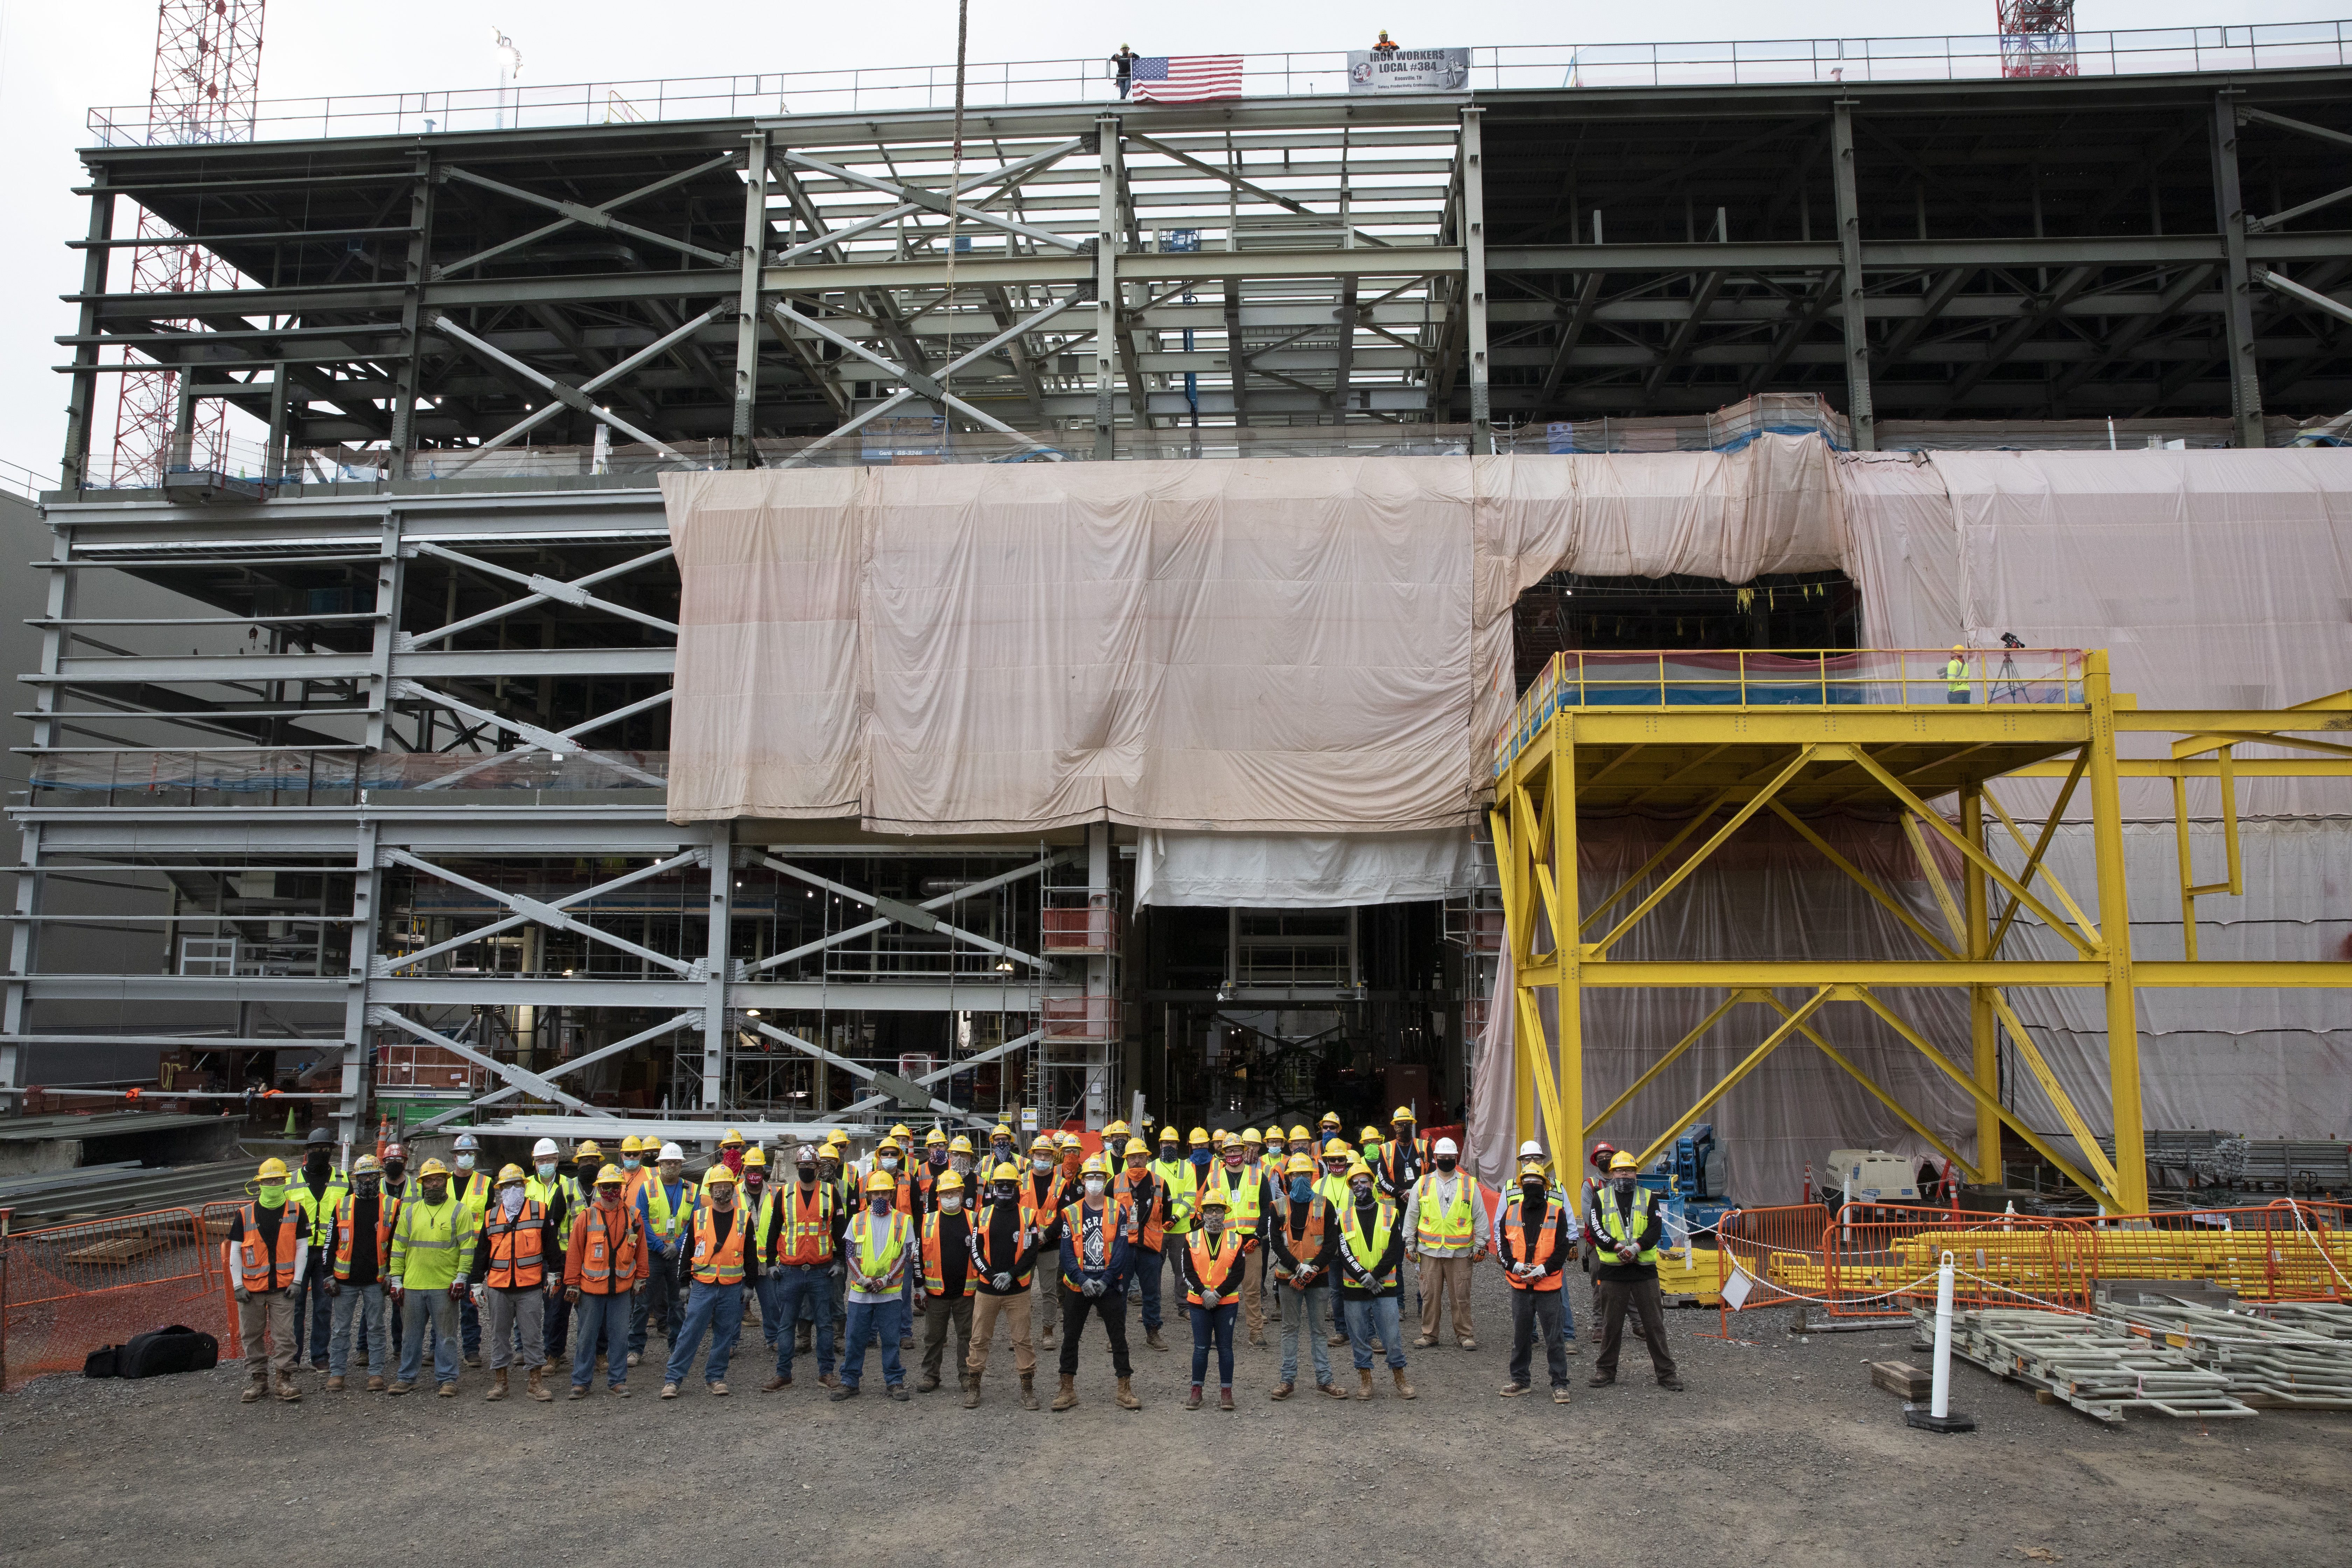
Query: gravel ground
<point x="1780" y="1451"/>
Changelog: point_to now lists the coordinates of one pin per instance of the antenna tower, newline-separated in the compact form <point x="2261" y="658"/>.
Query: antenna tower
<point x="207" y="87"/>
<point x="2037" y="37"/>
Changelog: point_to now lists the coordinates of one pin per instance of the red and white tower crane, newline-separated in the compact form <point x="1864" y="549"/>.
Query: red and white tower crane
<point x="2037" y="36"/>
<point x="207" y="87"/>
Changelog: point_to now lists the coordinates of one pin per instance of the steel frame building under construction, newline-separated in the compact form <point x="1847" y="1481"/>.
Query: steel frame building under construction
<point x="411" y="793"/>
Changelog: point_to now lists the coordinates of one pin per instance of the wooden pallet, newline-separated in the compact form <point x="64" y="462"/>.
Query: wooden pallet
<point x="1900" y="1377"/>
<point x="119" y="1249"/>
<point x="2097" y="1367"/>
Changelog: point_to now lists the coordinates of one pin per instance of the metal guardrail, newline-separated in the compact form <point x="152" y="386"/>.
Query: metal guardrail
<point x="1493" y="68"/>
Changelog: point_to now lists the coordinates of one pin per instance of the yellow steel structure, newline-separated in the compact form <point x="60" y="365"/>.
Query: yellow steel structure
<point x="1720" y="743"/>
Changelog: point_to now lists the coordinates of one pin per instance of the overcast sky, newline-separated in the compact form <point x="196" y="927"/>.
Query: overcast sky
<point x="57" y="58"/>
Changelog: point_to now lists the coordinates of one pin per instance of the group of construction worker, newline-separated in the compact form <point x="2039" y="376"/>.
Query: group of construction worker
<point x="843" y="1256"/>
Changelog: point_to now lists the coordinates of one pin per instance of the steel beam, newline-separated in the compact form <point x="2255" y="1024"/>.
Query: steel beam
<point x="2237" y="291"/>
<point x="1860" y="419"/>
<point x="1473" y="281"/>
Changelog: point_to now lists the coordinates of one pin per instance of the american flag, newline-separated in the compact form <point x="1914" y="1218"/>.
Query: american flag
<point x="1187" y="78"/>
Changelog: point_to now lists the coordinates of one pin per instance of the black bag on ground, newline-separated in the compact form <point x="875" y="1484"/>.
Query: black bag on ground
<point x="102" y="1361"/>
<point x="176" y="1349"/>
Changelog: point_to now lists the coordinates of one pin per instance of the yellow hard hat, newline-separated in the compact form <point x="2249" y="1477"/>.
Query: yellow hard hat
<point x="734" y="1136"/>
<point x="1067" y="1139"/>
<point x="1251" y="1135"/>
<point x="1002" y="1130"/>
<point x="1624" y="1161"/>
<point x="588" y="1150"/>
<point x="755" y="1157"/>
<point x="1041" y="1144"/>
<point x="1200" y="1137"/>
<point x="959" y="1144"/>
<point x="881" y="1181"/>
<point x="1094" y="1165"/>
<point x="433" y="1168"/>
<point x="274" y="1170"/>
<point x="934" y="1136"/>
<point x="1336" y="1150"/>
<point x="902" y="1130"/>
<point x="1369" y="1135"/>
<point x="1357" y="1167"/>
<point x="366" y="1165"/>
<point x="1138" y="1153"/>
<point x="1403" y="1113"/>
<point x="632" y="1144"/>
<point x="719" y="1176"/>
<point x="952" y="1181"/>
<point x="1220" y="1138"/>
<point x="610" y="1176"/>
<point x="1330" y="1119"/>
<point x="1300" y="1132"/>
<point x="1959" y="648"/>
<point x="1213" y="1199"/>
<point x="1117" y="1130"/>
<point x="1006" y="1170"/>
<point x="510" y="1173"/>
<point x="890" y="1143"/>
<point x="1299" y="1165"/>
<point x="1531" y="1168"/>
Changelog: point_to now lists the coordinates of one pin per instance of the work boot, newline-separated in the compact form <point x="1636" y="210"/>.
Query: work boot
<point x="825" y="1380"/>
<point x="1258" y="1342"/>
<point x="1281" y="1390"/>
<point x="1512" y="1390"/>
<point x="775" y="1383"/>
<point x="472" y="1360"/>
<point x="1674" y="1383"/>
<point x="334" y="1386"/>
<point x="1068" y="1395"/>
<point x="718" y="1389"/>
<point x="898" y="1391"/>
<point x="1422" y="1342"/>
<point x="283" y="1387"/>
<point x="847" y="1391"/>
<point x="1127" y="1399"/>
<point x="930" y="1382"/>
<point x="1404" y="1389"/>
<point x="1333" y="1389"/>
<point x="1225" y="1399"/>
<point x="971" y="1391"/>
<point x="1335" y="1341"/>
<point x="375" y="1385"/>
<point x="1028" y="1391"/>
<point x="669" y="1391"/>
<point x="906" y="1342"/>
<point x="254" y="1391"/>
<point x="1600" y="1380"/>
<point x="1469" y="1344"/>
<point x="498" y="1386"/>
<point x="1560" y="1396"/>
<point x="446" y="1390"/>
<point x="1151" y="1340"/>
<point x="1046" y="1339"/>
<point x="1193" y="1400"/>
<point x="400" y="1388"/>
<point x="634" y="1358"/>
<point x="579" y="1391"/>
<point x="538" y="1385"/>
<point x="1364" y="1383"/>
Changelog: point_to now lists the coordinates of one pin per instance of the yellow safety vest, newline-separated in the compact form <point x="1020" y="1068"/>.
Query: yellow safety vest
<point x="429" y="1244"/>
<point x="1241" y="1200"/>
<point x="1367" y="1250"/>
<point x="1184" y="1184"/>
<point x="668" y="1223"/>
<point x="880" y="1257"/>
<point x="1455" y="1225"/>
<point x="1613" y="1225"/>
<point x="1956" y="674"/>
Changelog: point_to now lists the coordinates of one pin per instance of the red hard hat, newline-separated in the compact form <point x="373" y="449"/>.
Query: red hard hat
<point x="1601" y="1153"/>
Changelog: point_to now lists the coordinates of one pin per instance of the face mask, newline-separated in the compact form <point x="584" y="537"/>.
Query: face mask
<point x="608" y="1196"/>
<point x="889" y="1162"/>
<point x="511" y="1200"/>
<point x="317" y="1162"/>
<point x="436" y="1189"/>
<point x="1043" y="1162"/>
<point x="273" y="1197"/>
<point x="1094" y="1186"/>
<point x="465" y="1162"/>
<point x="880" y="1202"/>
<point x="808" y="1175"/>
<point x="1168" y="1153"/>
<point x="546" y="1169"/>
<point x="1000" y="1148"/>
<point x="1201" y="1158"/>
<point x="951" y="1202"/>
<point x="1301" y="1188"/>
<point x="1534" y="1190"/>
<point x="754" y="1179"/>
<point x="1447" y="1161"/>
<point x="393" y="1170"/>
<point x="1005" y="1195"/>
<point x="631" y="1163"/>
<point x="722" y="1196"/>
<point x="1364" y="1192"/>
<point x="1212" y="1223"/>
<point x="367" y="1186"/>
<point x="962" y="1164"/>
<point x="939" y="1157"/>
<point x="1623" y="1187"/>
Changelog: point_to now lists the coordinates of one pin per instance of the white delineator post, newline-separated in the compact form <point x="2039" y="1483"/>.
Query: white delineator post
<point x="1939" y="1416"/>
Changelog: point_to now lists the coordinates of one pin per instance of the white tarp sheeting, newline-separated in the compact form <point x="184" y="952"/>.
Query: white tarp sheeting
<point x="1302" y="871"/>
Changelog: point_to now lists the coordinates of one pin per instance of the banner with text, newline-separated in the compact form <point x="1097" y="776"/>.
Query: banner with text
<point x="1408" y="71"/>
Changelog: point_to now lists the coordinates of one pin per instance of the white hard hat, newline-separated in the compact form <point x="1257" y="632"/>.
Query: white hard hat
<point x="670" y="1151"/>
<point x="1531" y="1150"/>
<point x="1445" y="1146"/>
<point x="544" y="1146"/>
<point x="468" y="1141"/>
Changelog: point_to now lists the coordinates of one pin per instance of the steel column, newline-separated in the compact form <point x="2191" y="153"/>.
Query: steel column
<point x="719" y="964"/>
<point x="1568" y="934"/>
<point x="1474" y="283"/>
<point x="1983" y="1026"/>
<point x="1858" y="414"/>
<point x="747" y="309"/>
<point x="81" y="400"/>
<point x="2114" y="926"/>
<point x="410" y="377"/>
<point x="1107" y="162"/>
<point x="351" y="1112"/>
<point x="2237" y="285"/>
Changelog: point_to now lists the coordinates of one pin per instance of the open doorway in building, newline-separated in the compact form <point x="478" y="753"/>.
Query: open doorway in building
<point x="1790" y="612"/>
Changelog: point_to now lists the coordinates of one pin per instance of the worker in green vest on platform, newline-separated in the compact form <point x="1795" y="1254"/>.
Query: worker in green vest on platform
<point x="1956" y="676"/>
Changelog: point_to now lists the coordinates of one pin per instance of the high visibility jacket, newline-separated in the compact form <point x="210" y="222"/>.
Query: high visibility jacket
<point x="1216" y="1263"/>
<point x="877" y="1253"/>
<point x="265" y="1271"/>
<point x="1453" y="1224"/>
<point x="1956" y="674"/>
<point x="1045" y="1192"/>
<point x="1153" y="1215"/>
<point x="666" y="1219"/>
<point x="1616" y="1230"/>
<point x="1242" y="1194"/>
<point x="807" y="1235"/>
<point x="606" y="1255"/>
<point x="1401" y="1164"/>
<point x="318" y="1208"/>
<point x="1182" y="1181"/>
<point x="717" y="1262"/>
<point x="387" y="1211"/>
<point x="1519" y="1246"/>
<point x="472" y="1188"/>
<point x="1367" y="1250"/>
<point x="1023" y="1240"/>
<point x="935" y="1278"/>
<point x="1335" y="1190"/>
<point x="633" y="1183"/>
<point x="516" y="1263"/>
<point x="430" y="1243"/>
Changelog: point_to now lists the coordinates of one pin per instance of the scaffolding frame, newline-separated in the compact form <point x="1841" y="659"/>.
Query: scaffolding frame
<point x="1703" y="759"/>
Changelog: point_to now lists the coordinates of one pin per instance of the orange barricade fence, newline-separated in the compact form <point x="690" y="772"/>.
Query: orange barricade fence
<point x="71" y="1289"/>
<point x="1878" y="1260"/>
<point x="1765" y="1246"/>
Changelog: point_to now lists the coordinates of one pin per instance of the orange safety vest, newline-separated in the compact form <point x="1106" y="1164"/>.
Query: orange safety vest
<point x="935" y="1278"/>
<point x="1050" y="1200"/>
<point x="1307" y="1248"/>
<point x="632" y="1184"/>
<point x="515" y="1261"/>
<point x="387" y="1212"/>
<point x="263" y="1272"/>
<point x="1514" y="1221"/>
<point x="1217" y="1271"/>
<point x="807" y="1239"/>
<point x="716" y="1262"/>
<point x="1118" y="1213"/>
<point x="610" y="1264"/>
<point x="988" y="1265"/>
<point x="1154" y="1230"/>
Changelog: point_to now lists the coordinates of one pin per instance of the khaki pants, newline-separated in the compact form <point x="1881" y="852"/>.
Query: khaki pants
<point x="272" y="1314"/>
<point x="1014" y="1310"/>
<point x="1438" y="1276"/>
<point x="1045" y="1295"/>
<point x="1253" y="1304"/>
<point x="939" y="1314"/>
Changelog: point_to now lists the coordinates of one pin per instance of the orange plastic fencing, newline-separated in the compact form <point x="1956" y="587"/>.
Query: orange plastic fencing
<point x="69" y="1290"/>
<point x="1767" y="1246"/>
<point x="1887" y="1263"/>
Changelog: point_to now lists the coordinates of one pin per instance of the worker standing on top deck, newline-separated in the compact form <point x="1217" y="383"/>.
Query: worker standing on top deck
<point x="1956" y="676"/>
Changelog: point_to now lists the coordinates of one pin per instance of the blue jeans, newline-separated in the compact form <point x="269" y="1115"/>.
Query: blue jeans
<point x="1147" y="1264"/>
<point x="718" y="1307"/>
<point x="882" y="1319"/>
<point x="470" y="1329"/>
<point x="1217" y="1325"/>
<point x="364" y="1303"/>
<point x="314" y="1315"/>
<point x="1304" y="1319"/>
<point x="1375" y="1319"/>
<point x="661" y="1290"/>
<point x="595" y="1318"/>
<point x="555" y="1328"/>
<point x="418" y="1309"/>
<point x="786" y="1293"/>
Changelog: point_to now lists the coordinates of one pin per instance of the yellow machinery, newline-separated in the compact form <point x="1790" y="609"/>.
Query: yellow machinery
<point x="1707" y="735"/>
